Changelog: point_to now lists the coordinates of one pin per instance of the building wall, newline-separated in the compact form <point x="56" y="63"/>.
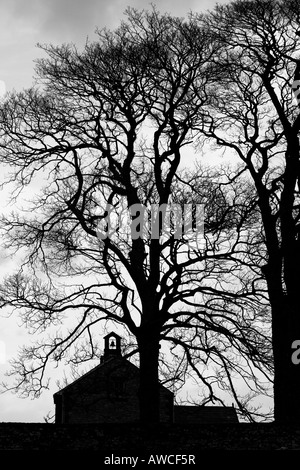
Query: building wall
<point x="204" y="415"/>
<point x="107" y="394"/>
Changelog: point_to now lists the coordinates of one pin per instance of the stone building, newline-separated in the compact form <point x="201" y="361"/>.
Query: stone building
<point x="109" y="394"/>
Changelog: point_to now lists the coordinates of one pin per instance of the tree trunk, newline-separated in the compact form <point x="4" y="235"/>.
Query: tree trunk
<point x="285" y="310"/>
<point x="286" y="330"/>
<point x="149" y="385"/>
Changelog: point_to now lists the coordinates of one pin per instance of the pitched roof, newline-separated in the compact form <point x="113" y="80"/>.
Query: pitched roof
<point x="118" y="360"/>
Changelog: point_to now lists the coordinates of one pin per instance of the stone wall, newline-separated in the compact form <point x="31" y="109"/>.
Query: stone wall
<point x="133" y="439"/>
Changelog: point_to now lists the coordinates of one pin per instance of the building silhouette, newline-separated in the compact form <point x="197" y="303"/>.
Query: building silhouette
<point x="109" y="394"/>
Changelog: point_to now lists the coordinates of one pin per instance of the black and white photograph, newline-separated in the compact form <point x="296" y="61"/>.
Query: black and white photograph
<point x="150" y="229"/>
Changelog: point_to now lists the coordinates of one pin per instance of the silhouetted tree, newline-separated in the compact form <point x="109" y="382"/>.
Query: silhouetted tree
<point x="107" y="128"/>
<point x="254" y="114"/>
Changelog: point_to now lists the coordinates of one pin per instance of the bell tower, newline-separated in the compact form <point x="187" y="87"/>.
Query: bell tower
<point x="112" y="346"/>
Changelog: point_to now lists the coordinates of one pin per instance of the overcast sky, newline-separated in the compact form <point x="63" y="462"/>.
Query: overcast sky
<point x="23" y="24"/>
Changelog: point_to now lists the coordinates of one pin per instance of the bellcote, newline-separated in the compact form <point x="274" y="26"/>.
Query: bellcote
<point x="112" y="346"/>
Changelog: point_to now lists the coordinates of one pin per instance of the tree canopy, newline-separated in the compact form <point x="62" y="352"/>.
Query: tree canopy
<point x="118" y="125"/>
<point x="255" y="115"/>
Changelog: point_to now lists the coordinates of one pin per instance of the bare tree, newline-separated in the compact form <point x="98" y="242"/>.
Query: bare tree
<point x="106" y="133"/>
<point x="255" y="116"/>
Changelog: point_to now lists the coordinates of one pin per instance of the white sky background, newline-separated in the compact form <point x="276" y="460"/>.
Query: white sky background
<point x="23" y="24"/>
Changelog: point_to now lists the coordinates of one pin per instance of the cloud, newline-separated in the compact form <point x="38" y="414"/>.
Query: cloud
<point x="74" y="20"/>
<point x="70" y="20"/>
